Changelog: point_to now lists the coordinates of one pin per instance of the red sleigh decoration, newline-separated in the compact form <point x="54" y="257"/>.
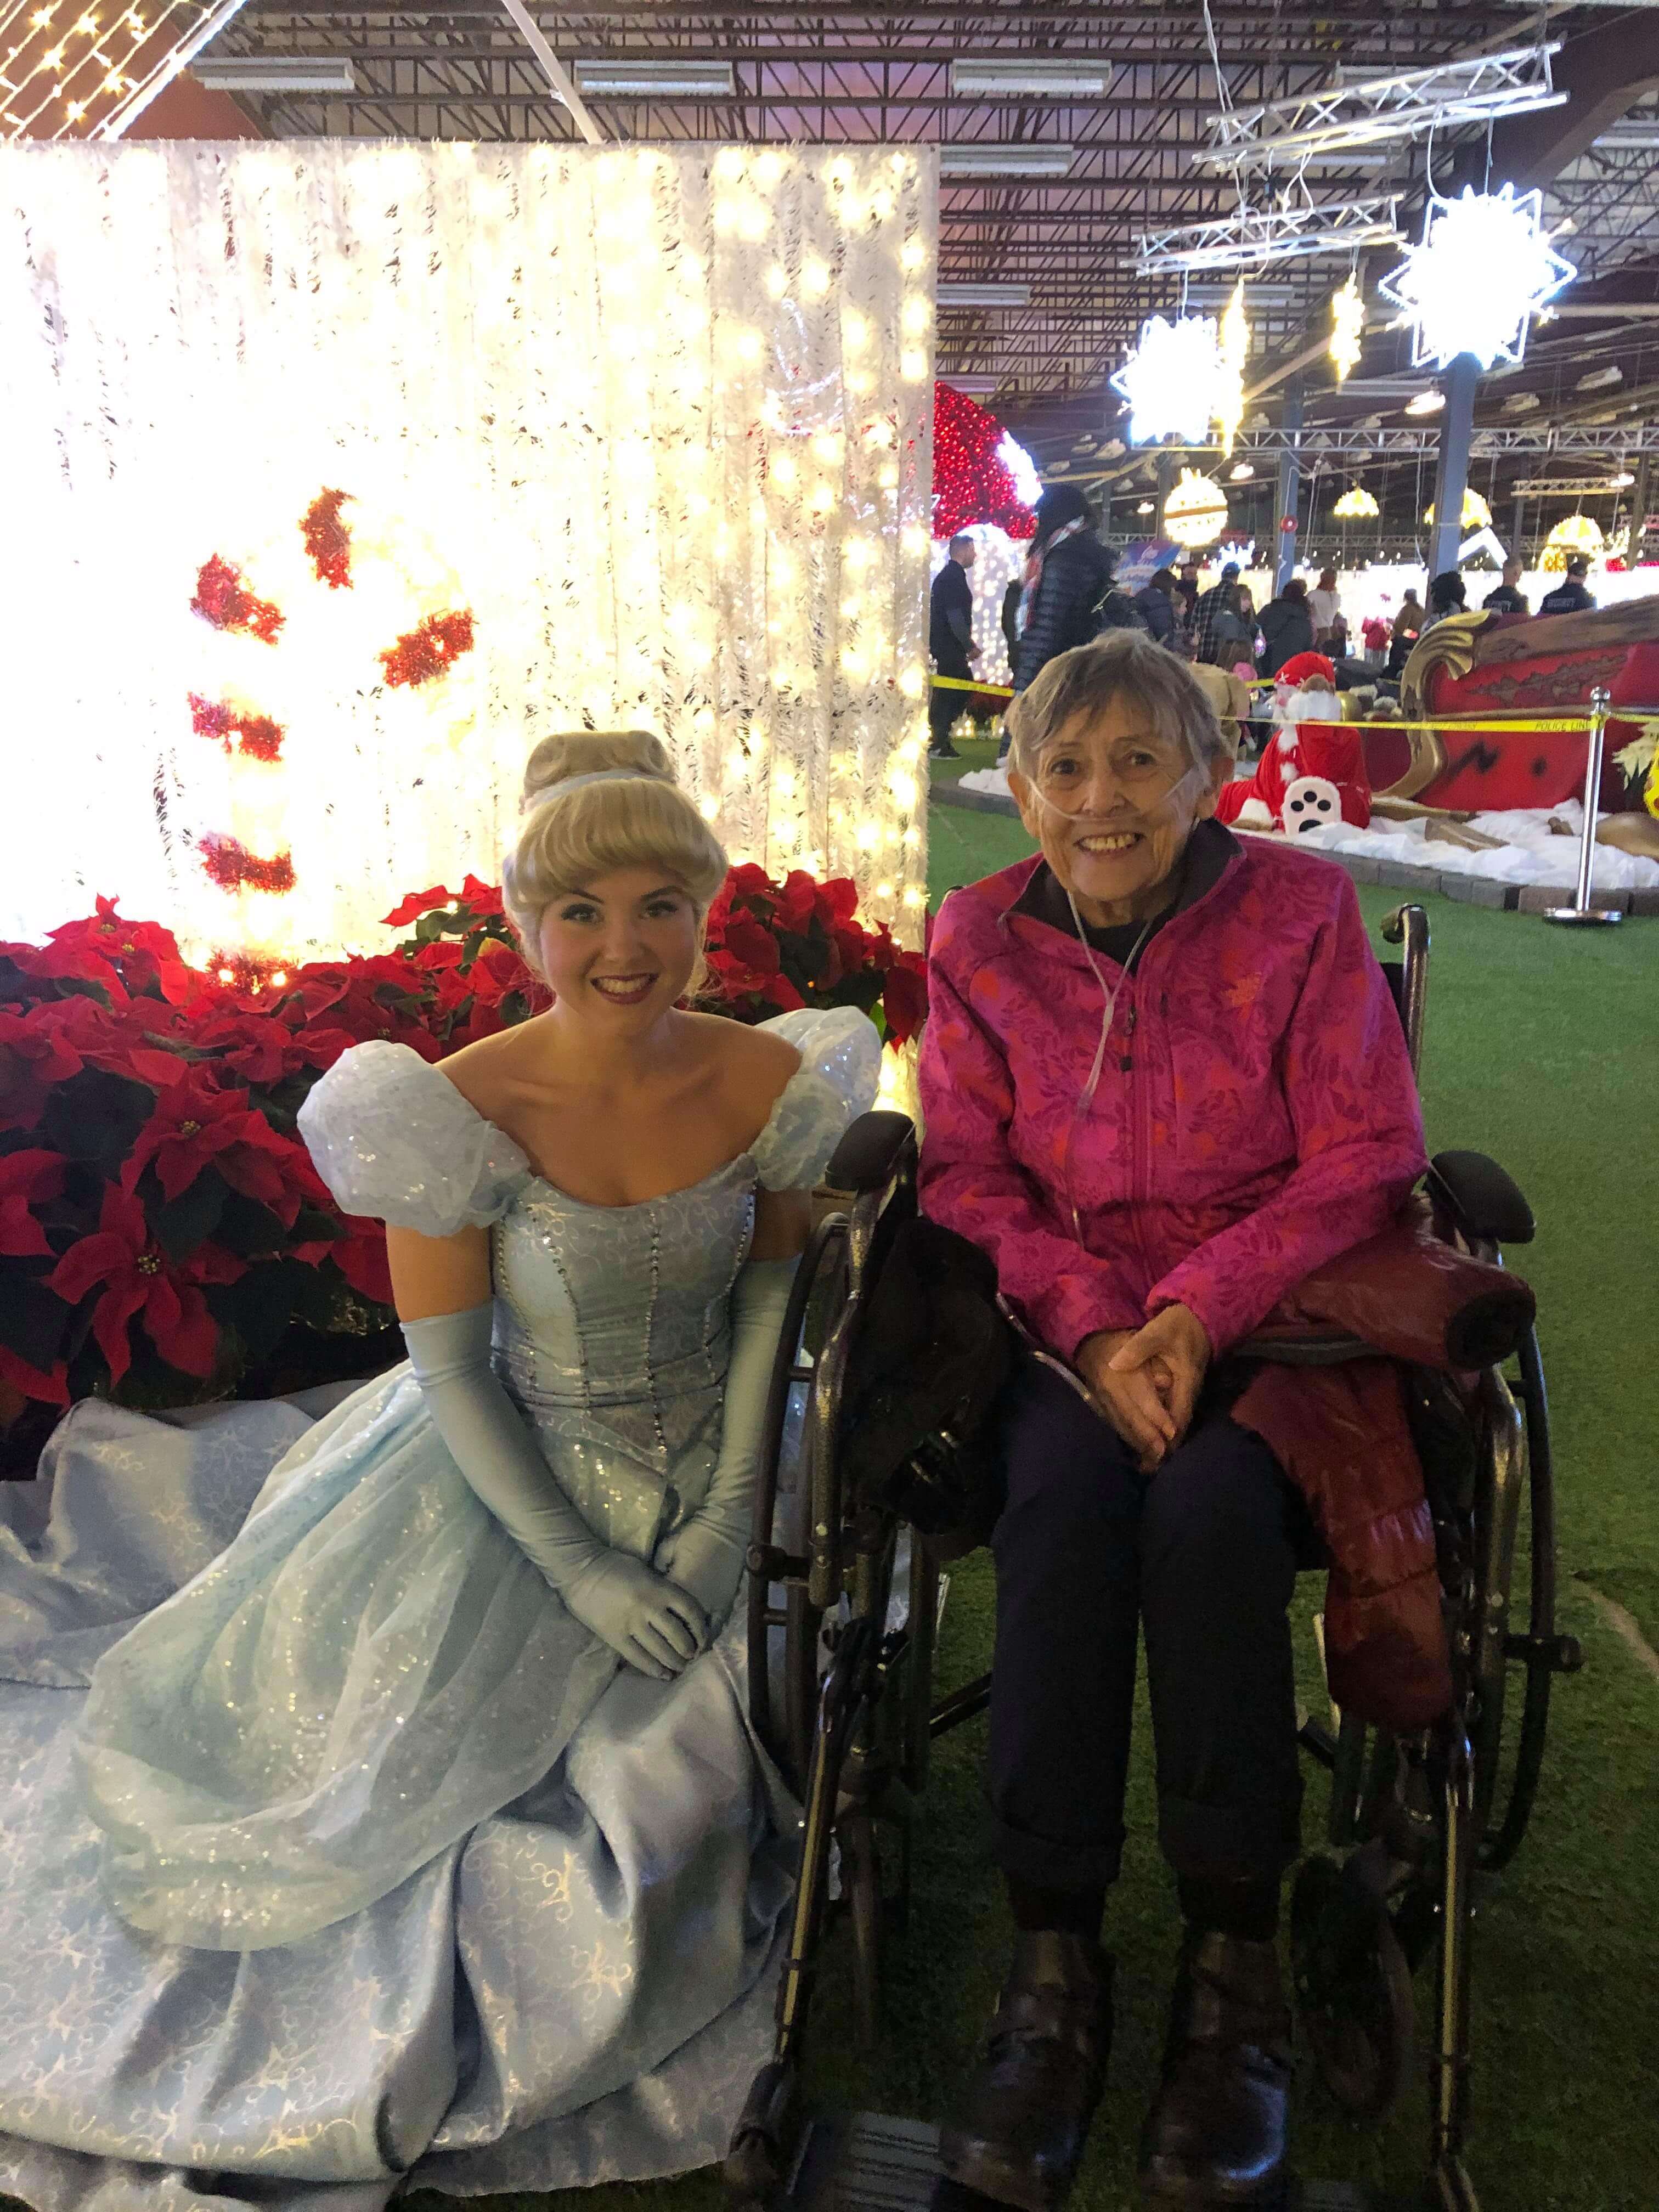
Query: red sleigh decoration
<point x="1486" y="667"/>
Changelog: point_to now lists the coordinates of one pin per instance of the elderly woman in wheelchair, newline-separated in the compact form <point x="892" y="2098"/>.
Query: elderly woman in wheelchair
<point x="1164" y="1081"/>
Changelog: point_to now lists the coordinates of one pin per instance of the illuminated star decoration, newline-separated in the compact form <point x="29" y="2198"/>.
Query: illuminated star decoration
<point x="1347" y="328"/>
<point x="1483" y="271"/>
<point x="1170" y="379"/>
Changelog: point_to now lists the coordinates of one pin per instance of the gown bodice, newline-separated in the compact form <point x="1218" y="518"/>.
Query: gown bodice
<point x="612" y="1322"/>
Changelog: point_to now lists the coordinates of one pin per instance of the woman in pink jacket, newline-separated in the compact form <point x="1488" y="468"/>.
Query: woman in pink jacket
<point x="1163" y="1081"/>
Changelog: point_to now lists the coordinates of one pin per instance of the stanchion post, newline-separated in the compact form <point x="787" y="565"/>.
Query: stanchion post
<point x="1581" y="910"/>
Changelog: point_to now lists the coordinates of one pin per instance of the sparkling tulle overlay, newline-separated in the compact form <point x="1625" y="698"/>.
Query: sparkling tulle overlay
<point x="331" y="1844"/>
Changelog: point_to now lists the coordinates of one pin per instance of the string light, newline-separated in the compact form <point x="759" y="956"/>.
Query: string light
<point x="1347" y="328"/>
<point x="974" y="479"/>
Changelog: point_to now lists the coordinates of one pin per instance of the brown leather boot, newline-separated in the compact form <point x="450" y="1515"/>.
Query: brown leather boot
<point x="1019" y="2126"/>
<point x="1216" y="2134"/>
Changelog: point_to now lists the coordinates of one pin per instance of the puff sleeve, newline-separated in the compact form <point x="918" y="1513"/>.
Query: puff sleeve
<point x="395" y="1139"/>
<point x="837" y="1081"/>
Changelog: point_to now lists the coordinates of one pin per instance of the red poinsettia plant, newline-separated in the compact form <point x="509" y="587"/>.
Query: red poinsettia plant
<point x="163" y="1235"/>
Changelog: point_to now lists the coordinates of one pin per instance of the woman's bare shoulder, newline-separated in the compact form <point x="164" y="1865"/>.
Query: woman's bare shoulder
<point x="489" y="1074"/>
<point x="753" y="1064"/>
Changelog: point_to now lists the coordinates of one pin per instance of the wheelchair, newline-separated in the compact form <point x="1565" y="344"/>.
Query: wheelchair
<point x="843" y="1610"/>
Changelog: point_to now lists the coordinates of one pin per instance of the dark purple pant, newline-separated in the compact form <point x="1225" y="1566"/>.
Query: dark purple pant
<point x="1204" y="1553"/>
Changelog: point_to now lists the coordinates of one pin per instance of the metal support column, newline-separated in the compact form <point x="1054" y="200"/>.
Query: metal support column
<point x="1165" y="484"/>
<point x="1638" y="511"/>
<point x="1518" y="532"/>
<point x="1289" y="488"/>
<point x="1451" y="478"/>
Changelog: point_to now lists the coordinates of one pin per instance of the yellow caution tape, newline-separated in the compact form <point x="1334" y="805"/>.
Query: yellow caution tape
<point x="967" y="683"/>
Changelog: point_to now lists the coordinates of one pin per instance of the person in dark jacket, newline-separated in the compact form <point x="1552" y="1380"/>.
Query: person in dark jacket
<point x="1011" y="599"/>
<point x="1571" y="598"/>
<point x="1157" y="602"/>
<point x="1068" y="577"/>
<point x="950" y="641"/>
<point x="1508" y="598"/>
<point x="1448" y="595"/>
<point x="1286" y="627"/>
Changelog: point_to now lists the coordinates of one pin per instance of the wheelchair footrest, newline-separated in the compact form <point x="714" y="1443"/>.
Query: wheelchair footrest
<point x="872" y="2162"/>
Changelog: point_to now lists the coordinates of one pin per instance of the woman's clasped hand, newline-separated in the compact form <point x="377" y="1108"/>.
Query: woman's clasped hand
<point x="1145" y="1382"/>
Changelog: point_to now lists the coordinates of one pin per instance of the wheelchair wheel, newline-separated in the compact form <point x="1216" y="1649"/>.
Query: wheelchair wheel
<point x="785" y="1627"/>
<point x="1532" y="1642"/>
<point x="1353" y="1987"/>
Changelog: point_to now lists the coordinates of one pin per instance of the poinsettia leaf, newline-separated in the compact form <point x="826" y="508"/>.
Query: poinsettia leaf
<point x="312" y="1225"/>
<point x="183" y="1223"/>
<point x="261" y="1305"/>
<point x="246" y="1227"/>
<point x="34" y="1322"/>
<point x="96" y="1118"/>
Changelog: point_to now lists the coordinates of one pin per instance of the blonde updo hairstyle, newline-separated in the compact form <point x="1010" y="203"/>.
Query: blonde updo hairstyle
<point x="638" y="818"/>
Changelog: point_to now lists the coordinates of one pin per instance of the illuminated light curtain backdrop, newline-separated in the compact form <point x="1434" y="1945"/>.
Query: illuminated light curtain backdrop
<point x="626" y="437"/>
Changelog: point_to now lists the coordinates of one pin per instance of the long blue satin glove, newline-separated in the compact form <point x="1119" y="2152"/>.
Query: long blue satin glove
<point x="655" y="1626"/>
<point x="706" y="1557"/>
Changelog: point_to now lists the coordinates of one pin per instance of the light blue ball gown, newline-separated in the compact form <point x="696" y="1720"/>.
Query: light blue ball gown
<point x="333" y="1850"/>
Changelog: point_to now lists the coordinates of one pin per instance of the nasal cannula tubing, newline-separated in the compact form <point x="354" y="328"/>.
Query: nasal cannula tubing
<point x="1085" y="1097"/>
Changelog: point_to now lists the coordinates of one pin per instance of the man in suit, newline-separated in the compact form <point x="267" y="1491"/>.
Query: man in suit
<point x="951" y="642"/>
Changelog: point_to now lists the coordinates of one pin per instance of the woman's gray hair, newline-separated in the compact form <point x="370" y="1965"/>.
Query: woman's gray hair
<point x="1123" y="664"/>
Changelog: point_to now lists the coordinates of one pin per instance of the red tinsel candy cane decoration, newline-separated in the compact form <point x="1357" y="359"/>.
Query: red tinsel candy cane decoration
<point x="223" y="598"/>
<point x="421" y="654"/>
<point x="255" y="735"/>
<point x="234" y="868"/>
<point x="328" y="541"/>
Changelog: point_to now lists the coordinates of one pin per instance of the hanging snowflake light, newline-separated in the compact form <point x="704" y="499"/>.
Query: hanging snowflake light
<point x="1483" y="271"/>
<point x="1171" y="379"/>
<point x="1234" y="353"/>
<point x="1347" y="328"/>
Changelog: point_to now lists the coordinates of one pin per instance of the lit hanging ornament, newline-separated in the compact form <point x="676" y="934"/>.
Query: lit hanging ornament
<point x="1574" y="533"/>
<point x="1347" y="328"/>
<point x="1233" y="352"/>
<point x="1485" y="268"/>
<point x="1195" y="512"/>
<point x="1477" y="515"/>
<point x="1170" y="380"/>
<point x="1356" y="505"/>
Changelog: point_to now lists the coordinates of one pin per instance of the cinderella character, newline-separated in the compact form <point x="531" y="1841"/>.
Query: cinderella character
<point x="420" y="1829"/>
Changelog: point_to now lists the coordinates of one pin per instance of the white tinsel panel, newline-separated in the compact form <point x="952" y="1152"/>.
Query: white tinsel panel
<point x="659" y="421"/>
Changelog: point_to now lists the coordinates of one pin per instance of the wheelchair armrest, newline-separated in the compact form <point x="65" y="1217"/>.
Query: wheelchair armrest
<point x="1487" y="1204"/>
<point x="869" y="1155"/>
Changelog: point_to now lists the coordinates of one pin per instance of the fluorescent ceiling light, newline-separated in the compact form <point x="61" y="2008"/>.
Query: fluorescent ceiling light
<point x="1145" y="507"/>
<point x="1009" y="73"/>
<point x="1349" y="157"/>
<point x="1630" y="134"/>
<point x="666" y="79"/>
<point x="274" y="73"/>
<point x="984" y="295"/>
<point x="1241" y="472"/>
<point x="1426" y="403"/>
<point x="972" y="387"/>
<point x="988" y="158"/>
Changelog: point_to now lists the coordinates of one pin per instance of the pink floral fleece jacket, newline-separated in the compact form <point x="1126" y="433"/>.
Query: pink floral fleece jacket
<point x="1255" y="1115"/>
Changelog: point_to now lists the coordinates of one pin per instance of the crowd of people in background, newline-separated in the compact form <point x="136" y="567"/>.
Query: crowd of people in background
<point x="1069" y="594"/>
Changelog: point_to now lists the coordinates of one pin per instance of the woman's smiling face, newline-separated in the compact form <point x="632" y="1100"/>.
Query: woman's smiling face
<point x="622" y="949"/>
<point x="1112" y="803"/>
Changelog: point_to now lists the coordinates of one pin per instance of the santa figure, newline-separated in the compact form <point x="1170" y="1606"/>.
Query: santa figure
<point x="1310" y="773"/>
